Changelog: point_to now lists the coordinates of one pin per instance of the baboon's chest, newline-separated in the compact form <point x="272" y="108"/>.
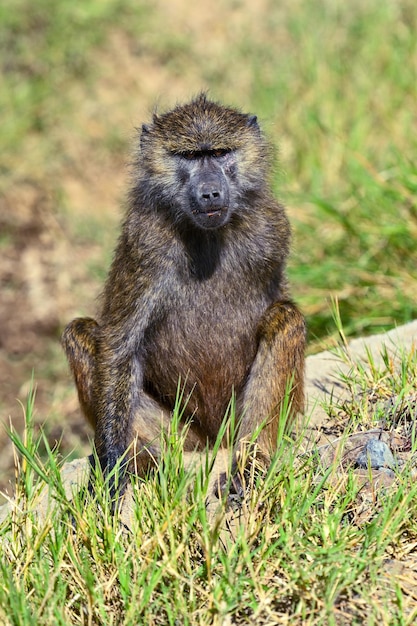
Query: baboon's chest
<point x="208" y="344"/>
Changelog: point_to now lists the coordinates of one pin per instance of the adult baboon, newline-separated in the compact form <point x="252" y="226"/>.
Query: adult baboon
<point x="197" y="292"/>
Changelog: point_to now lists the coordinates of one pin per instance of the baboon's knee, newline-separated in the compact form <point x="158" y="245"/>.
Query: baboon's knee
<point x="80" y="342"/>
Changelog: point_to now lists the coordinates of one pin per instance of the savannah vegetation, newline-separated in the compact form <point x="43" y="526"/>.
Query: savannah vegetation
<point x="334" y="86"/>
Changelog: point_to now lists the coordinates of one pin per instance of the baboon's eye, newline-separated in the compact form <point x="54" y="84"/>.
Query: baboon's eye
<point x="219" y="152"/>
<point x="191" y="155"/>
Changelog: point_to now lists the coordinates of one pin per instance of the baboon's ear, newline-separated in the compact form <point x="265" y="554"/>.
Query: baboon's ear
<point x="252" y="121"/>
<point x="145" y="132"/>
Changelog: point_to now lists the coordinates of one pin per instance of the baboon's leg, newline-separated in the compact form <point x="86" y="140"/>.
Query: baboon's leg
<point x="80" y="342"/>
<point x="278" y="367"/>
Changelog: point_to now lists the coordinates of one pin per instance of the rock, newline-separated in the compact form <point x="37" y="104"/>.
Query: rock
<point x="375" y="454"/>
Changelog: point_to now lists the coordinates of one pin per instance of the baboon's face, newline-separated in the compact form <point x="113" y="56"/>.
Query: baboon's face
<point x="201" y="162"/>
<point x="207" y="178"/>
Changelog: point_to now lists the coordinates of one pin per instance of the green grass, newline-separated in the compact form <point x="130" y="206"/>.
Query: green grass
<point x="341" y="99"/>
<point x="303" y="552"/>
<point x="46" y="50"/>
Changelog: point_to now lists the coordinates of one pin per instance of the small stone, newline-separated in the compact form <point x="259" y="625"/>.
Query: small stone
<point x="375" y="454"/>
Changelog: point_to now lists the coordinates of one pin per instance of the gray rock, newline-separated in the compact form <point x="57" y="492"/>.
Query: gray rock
<point x="375" y="454"/>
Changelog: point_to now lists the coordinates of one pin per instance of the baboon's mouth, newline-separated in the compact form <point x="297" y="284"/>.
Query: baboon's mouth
<point x="208" y="213"/>
<point x="211" y="217"/>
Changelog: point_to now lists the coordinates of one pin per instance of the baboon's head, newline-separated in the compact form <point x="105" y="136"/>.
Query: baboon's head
<point x="202" y="161"/>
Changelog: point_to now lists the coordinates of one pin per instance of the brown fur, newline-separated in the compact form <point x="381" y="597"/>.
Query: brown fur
<point x="197" y="292"/>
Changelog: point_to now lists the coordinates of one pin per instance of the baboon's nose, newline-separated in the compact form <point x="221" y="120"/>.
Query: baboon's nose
<point x="210" y="193"/>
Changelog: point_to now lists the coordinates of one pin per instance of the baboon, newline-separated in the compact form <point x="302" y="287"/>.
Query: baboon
<point x="197" y="293"/>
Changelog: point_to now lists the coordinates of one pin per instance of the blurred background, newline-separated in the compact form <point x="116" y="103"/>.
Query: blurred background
<point x="334" y="85"/>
